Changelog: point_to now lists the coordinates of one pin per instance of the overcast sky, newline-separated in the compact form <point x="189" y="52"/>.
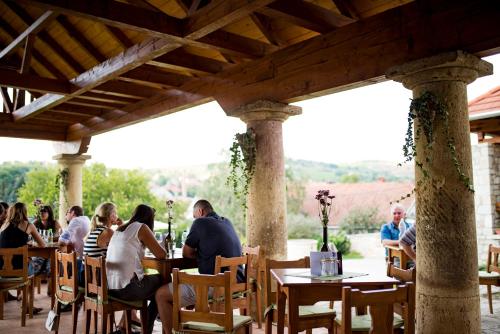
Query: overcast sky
<point x="367" y="123"/>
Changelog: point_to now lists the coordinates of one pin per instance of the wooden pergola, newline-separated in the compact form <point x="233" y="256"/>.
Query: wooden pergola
<point x="484" y="116"/>
<point x="91" y="66"/>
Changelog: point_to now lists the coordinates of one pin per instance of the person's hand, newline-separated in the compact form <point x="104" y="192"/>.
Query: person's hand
<point x="118" y="222"/>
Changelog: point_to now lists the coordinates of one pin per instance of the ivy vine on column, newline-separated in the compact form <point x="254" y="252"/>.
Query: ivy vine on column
<point x="242" y="165"/>
<point x="62" y="179"/>
<point x="426" y="109"/>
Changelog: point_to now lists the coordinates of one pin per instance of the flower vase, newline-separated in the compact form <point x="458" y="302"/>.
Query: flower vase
<point x="325" y="248"/>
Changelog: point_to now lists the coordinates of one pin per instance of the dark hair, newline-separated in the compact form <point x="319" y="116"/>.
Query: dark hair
<point x="204" y="205"/>
<point x="51" y="223"/>
<point x="4" y="205"/>
<point x="142" y="214"/>
<point x="3" y="212"/>
<point x="77" y="210"/>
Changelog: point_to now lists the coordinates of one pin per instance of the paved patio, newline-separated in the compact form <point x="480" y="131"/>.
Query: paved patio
<point x="12" y="323"/>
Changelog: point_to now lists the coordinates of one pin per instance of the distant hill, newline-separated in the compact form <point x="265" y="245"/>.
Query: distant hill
<point x="364" y="171"/>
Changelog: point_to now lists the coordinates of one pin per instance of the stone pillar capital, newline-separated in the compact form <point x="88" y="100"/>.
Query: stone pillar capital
<point x="70" y="159"/>
<point x="266" y="110"/>
<point x="450" y="66"/>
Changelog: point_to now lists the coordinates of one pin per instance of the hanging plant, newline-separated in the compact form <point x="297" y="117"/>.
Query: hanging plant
<point x="62" y="179"/>
<point x="427" y="108"/>
<point x="242" y="165"/>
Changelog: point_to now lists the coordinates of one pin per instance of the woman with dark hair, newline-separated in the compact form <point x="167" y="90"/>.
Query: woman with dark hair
<point x="126" y="278"/>
<point x="3" y="212"/>
<point x="46" y="220"/>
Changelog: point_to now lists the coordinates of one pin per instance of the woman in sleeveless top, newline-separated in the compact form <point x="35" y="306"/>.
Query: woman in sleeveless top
<point x="46" y="220"/>
<point x="14" y="232"/>
<point x="100" y="233"/>
<point x="125" y="274"/>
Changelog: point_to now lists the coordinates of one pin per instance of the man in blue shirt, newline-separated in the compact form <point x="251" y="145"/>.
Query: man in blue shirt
<point x="389" y="233"/>
<point x="210" y="235"/>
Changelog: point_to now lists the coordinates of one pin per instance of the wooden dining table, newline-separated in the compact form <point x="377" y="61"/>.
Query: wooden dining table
<point x="47" y="252"/>
<point x="296" y="288"/>
<point x="165" y="266"/>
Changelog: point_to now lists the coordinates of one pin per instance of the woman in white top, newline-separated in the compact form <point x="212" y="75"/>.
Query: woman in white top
<point x="125" y="274"/>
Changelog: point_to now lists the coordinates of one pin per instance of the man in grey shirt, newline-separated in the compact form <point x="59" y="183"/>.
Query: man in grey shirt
<point x="409" y="242"/>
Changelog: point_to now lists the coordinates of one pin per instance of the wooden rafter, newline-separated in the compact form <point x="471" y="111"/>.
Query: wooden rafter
<point x="25" y="68"/>
<point x="150" y="76"/>
<point x="34" y="28"/>
<point x="101" y="73"/>
<point x="193" y="8"/>
<point x="158" y="24"/>
<point x="125" y="89"/>
<point x="35" y="83"/>
<point x="192" y="62"/>
<point x="346" y="8"/>
<point x="120" y="37"/>
<point x="7" y="102"/>
<point x="37" y="55"/>
<point x="265" y="26"/>
<point x="237" y="46"/>
<point x="46" y="38"/>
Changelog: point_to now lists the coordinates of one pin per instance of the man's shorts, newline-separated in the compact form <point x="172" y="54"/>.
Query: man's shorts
<point x="187" y="294"/>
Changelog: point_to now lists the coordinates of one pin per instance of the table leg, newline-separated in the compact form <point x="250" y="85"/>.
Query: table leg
<point x="293" y="311"/>
<point x="281" y="311"/>
<point x="52" y="278"/>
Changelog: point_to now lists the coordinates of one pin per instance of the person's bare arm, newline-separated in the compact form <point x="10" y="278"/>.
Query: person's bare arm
<point x="148" y="239"/>
<point x="388" y="242"/>
<point x="409" y="251"/>
<point x="34" y="233"/>
<point x="104" y="238"/>
<point x="188" y="252"/>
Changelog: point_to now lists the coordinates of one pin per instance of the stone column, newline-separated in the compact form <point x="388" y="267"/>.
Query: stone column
<point x="70" y="171"/>
<point x="266" y="215"/>
<point x="447" y="281"/>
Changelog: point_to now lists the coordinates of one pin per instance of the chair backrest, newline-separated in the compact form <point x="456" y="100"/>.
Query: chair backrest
<point x="96" y="284"/>
<point x="276" y="264"/>
<point x="403" y="275"/>
<point x="254" y="261"/>
<point x="66" y="276"/>
<point x="381" y="307"/>
<point x="232" y="264"/>
<point x="202" y="311"/>
<point x="492" y="264"/>
<point x="7" y="255"/>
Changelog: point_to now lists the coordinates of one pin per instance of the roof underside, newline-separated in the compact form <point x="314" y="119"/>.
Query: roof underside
<point x="484" y="113"/>
<point x="89" y="66"/>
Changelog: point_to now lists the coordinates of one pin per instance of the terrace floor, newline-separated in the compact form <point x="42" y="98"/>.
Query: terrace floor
<point x="12" y="323"/>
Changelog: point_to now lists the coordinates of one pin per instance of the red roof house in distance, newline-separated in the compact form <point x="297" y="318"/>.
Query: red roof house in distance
<point x="484" y="116"/>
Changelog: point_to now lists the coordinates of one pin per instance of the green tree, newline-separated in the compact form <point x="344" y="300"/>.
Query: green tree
<point x="301" y="226"/>
<point x="361" y="220"/>
<point x="295" y="192"/>
<point x="349" y="178"/>
<point x="12" y="177"/>
<point x="40" y="182"/>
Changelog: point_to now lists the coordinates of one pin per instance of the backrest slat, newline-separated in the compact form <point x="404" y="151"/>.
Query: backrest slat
<point x="66" y="274"/>
<point x="7" y="255"/>
<point x="276" y="264"/>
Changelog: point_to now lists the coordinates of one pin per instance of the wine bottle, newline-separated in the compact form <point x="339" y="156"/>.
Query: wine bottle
<point x="339" y="258"/>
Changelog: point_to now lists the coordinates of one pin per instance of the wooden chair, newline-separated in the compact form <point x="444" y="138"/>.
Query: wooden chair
<point x="404" y="276"/>
<point x="67" y="289"/>
<point x="310" y="316"/>
<point x="38" y="278"/>
<point x="202" y="319"/>
<point x="98" y="301"/>
<point x="255" y="269"/>
<point x="492" y="274"/>
<point x="240" y="291"/>
<point x="11" y="279"/>
<point x="381" y="318"/>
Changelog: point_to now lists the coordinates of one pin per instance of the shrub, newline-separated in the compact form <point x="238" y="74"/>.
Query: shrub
<point x="361" y="220"/>
<point x="340" y="240"/>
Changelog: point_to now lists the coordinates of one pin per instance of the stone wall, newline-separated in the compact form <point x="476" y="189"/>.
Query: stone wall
<point x="486" y="173"/>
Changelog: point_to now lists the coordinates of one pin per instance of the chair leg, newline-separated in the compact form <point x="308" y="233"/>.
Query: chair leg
<point x="128" y="321"/>
<point x="490" y="298"/>
<point x="104" y="323"/>
<point x="2" y="300"/>
<point x="258" y="305"/>
<point x="58" y="312"/>
<point x="144" y="320"/>
<point x="309" y="331"/>
<point x="96" y="320"/>
<point x="31" y="299"/>
<point x="268" y="322"/>
<point x="88" y="315"/>
<point x="111" y="322"/>
<point x="74" y="311"/>
<point x="24" y="307"/>
<point x="38" y="283"/>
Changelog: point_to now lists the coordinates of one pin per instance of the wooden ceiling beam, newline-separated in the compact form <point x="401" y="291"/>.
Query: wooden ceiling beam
<point x="125" y="89"/>
<point x="150" y="74"/>
<point x="236" y="45"/>
<point x="77" y="110"/>
<point x="218" y="14"/>
<point x="37" y="55"/>
<point x="346" y="8"/>
<point x="25" y="68"/>
<point x="34" y="28"/>
<point x="265" y="26"/>
<point x="106" y="98"/>
<point x="101" y="73"/>
<point x="361" y="53"/>
<point x="193" y="8"/>
<point x="120" y="37"/>
<point x="30" y="130"/>
<point x="46" y="38"/>
<point x="7" y="102"/>
<point x="32" y="82"/>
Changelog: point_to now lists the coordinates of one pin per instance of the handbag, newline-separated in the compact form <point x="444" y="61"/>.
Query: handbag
<point x="52" y="322"/>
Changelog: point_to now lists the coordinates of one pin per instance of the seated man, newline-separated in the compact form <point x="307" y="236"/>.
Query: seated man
<point x="389" y="233"/>
<point x="210" y="235"/>
<point x="409" y="243"/>
<point x="74" y="235"/>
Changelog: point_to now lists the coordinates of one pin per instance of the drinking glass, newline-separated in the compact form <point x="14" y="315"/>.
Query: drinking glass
<point x="328" y="266"/>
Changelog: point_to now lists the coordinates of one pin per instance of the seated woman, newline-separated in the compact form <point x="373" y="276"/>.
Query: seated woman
<point x="100" y="233"/>
<point x="45" y="222"/>
<point x="14" y="232"/>
<point x="126" y="278"/>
